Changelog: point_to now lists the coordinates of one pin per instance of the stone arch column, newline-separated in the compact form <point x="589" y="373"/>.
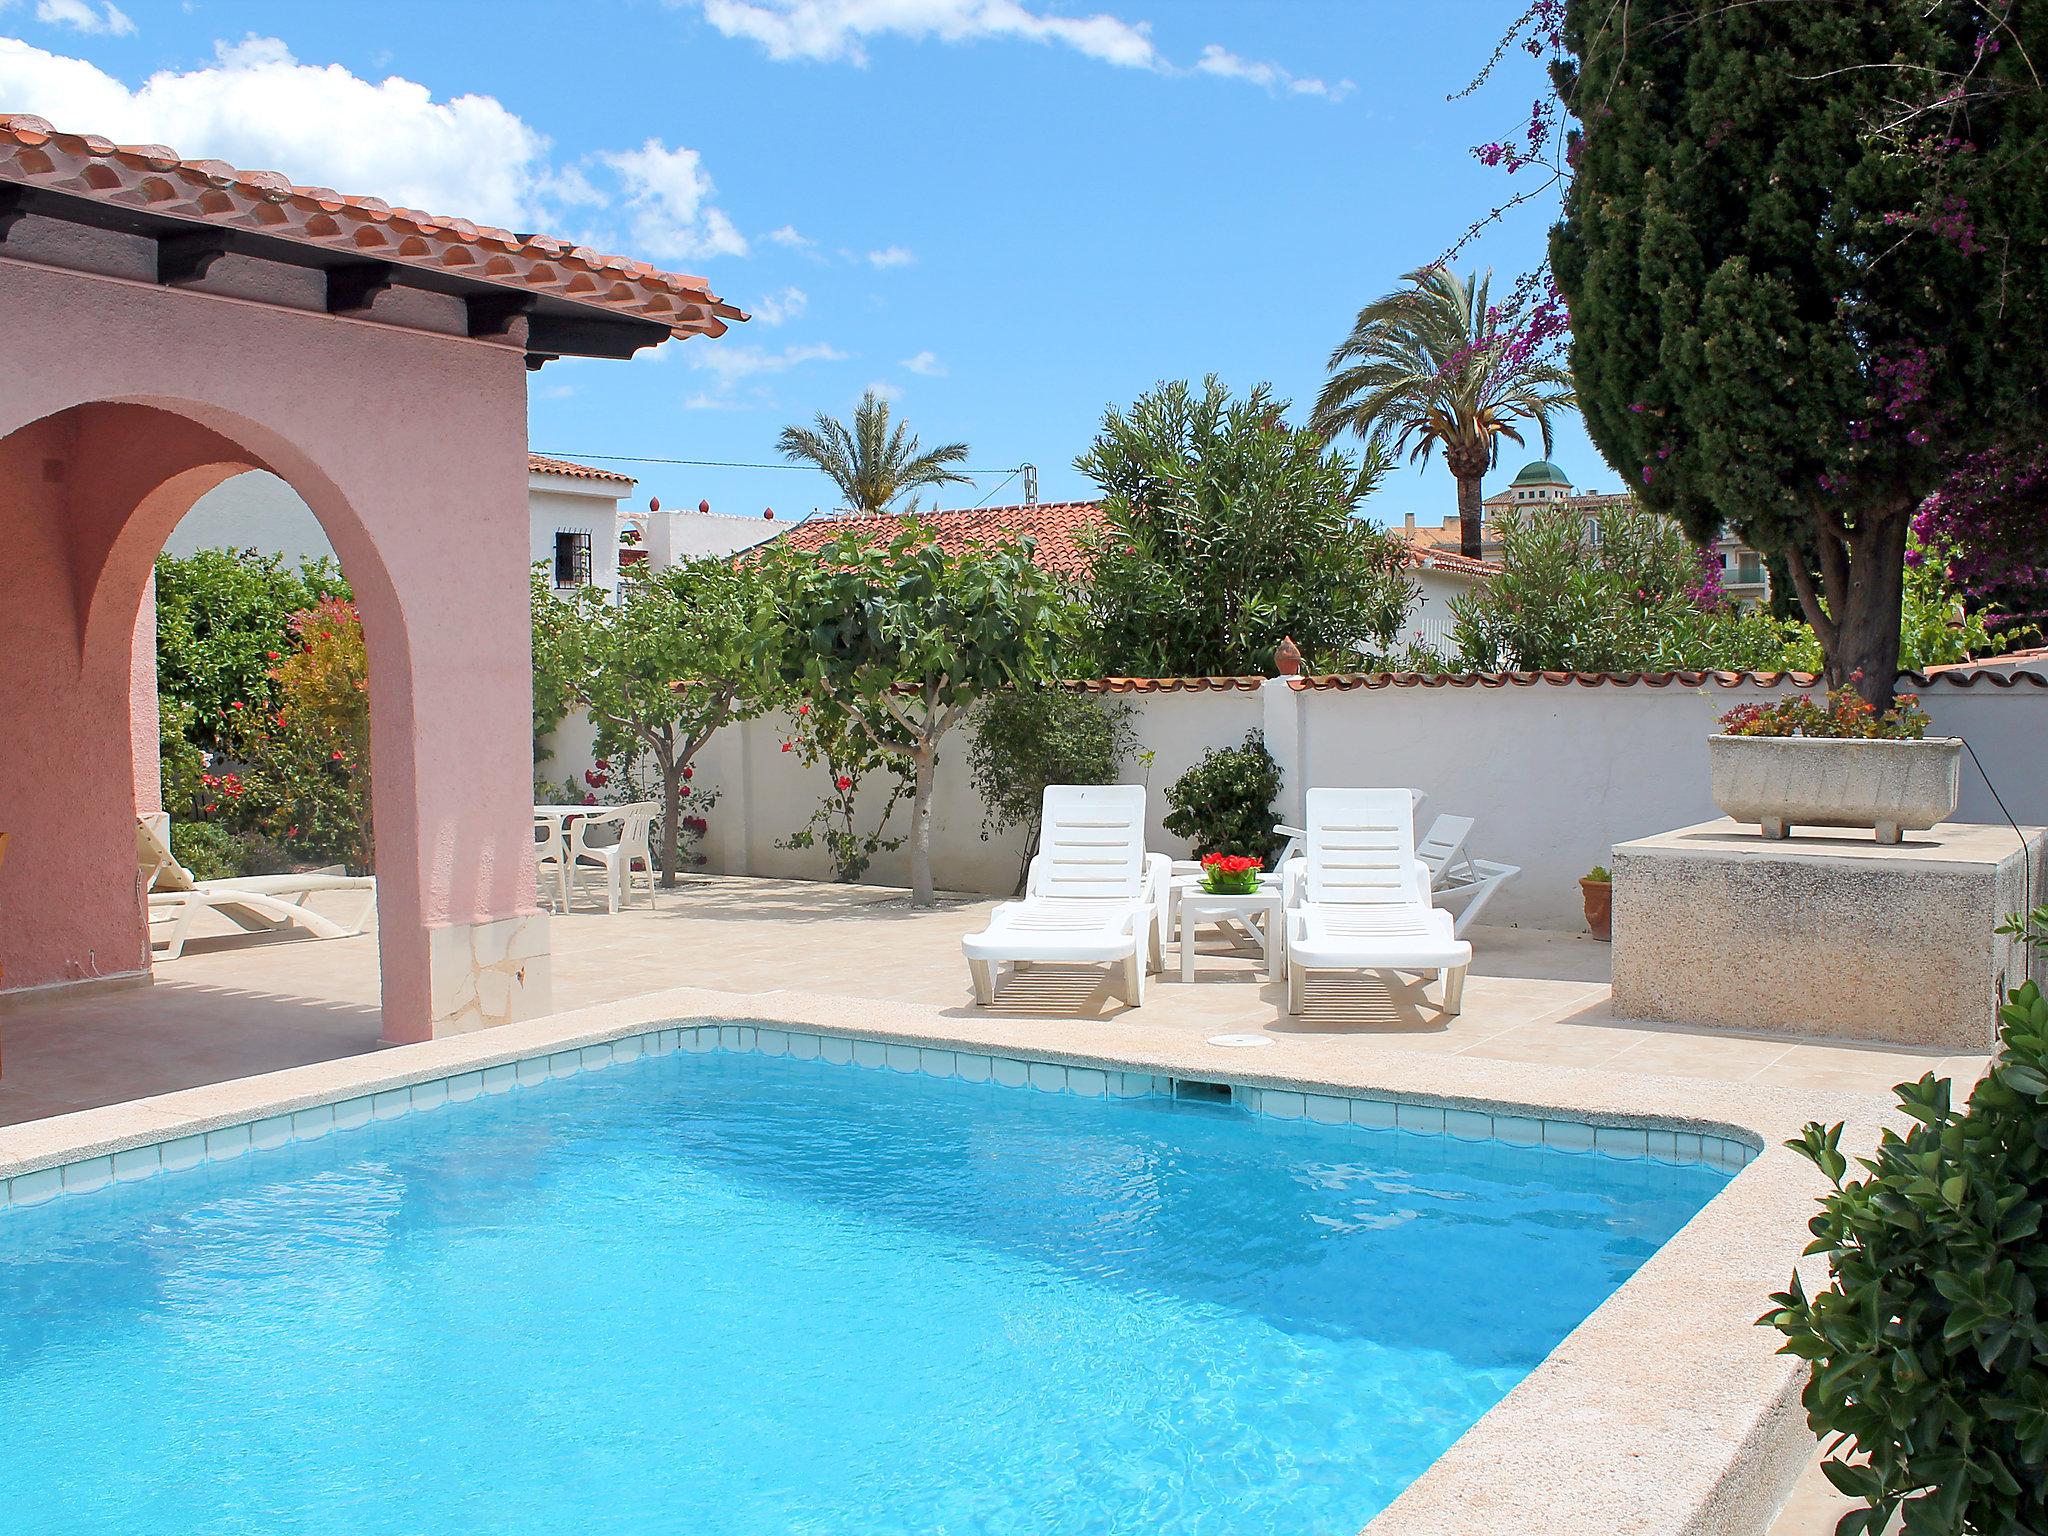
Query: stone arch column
<point x="101" y="485"/>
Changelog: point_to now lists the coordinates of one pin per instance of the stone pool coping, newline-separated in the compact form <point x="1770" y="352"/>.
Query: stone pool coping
<point x="1665" y="1413"/>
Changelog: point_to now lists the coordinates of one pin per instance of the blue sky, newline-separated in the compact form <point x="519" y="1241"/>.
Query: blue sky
<point x="1008" y="213"/>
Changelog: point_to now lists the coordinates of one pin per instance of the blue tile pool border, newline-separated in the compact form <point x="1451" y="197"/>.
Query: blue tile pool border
<point x="1516" y="1127"/>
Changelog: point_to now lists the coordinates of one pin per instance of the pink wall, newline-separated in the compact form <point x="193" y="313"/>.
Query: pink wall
<point x="122" y="403"/>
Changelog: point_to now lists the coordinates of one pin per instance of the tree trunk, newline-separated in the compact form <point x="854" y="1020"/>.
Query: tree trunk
<point x="1865" y="654"/>
<point x="671" y="818"/>
<point x="1854" y="602"/>
<point x="921" y="827"/>
<point x="1471" y="517"/>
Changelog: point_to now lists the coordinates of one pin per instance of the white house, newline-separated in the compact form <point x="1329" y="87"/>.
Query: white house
<point x="1439" y="576"/>
<point x="659" y="539"/>
<point x="574" y="512"/>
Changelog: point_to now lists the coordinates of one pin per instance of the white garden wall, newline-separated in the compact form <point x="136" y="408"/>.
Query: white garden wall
<point x="1558" y="771"/>
<point x="766" y="793"/>
<point x="1554" y="771"/>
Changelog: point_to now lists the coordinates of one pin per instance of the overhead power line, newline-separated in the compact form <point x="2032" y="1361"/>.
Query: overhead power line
<point x="627" y="458"/>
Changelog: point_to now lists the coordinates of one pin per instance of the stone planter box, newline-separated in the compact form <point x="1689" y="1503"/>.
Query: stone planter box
<point x="1891" y="787"/>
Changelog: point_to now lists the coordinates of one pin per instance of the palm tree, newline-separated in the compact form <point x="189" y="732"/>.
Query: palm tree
<point x="871" y="464"/>
<point x="1425" y="366"/>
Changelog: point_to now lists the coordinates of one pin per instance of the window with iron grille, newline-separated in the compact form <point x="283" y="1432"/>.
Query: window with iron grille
<point x="572" y="559"/>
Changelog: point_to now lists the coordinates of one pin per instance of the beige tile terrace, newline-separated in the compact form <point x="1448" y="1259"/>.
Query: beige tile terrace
<point x="229" y="1008"/>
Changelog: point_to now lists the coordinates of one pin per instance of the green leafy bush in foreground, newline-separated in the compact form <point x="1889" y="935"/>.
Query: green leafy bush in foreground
<point x="1224" y="804"/>
<point x="1930" y="1347"/>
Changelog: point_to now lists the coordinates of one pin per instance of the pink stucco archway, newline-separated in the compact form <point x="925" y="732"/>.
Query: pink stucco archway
<point x="122" y="404"/>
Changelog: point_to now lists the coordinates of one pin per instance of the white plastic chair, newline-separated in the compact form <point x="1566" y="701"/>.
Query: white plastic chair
<point x="1358" y="898"/>
<point x="594" y="849"/>
<point x="1092" y="896"/>
<point x="551" y="861"/>
<point x="636" y="849"/>
<point x="1454" y="875"/>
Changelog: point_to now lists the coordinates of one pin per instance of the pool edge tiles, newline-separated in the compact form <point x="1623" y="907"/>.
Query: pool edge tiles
<point x="225" y="1143"/>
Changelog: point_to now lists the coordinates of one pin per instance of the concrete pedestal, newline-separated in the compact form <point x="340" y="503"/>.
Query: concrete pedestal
<point x="1821" y="935"/>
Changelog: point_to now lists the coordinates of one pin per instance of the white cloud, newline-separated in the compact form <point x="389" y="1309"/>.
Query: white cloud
<point x="884" y="390"/>
<point x="783" y="305"/>
<point x="829" y="30"/>
<point x="731" y="362"/>
<point x="927" y="363"/>
<point x="892" y="256"/>
<point x="792" y="237"/>
<point x="1224" y="64"/>
<point x="81" y="17"/>
<point x="838" y="31"/>
<point x="258" y="107"/>
<point x="668" y="195"/>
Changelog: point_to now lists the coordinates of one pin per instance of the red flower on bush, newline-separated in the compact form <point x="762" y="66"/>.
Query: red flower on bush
<point x="788" y="745"/>
<point x="843" y="783"/>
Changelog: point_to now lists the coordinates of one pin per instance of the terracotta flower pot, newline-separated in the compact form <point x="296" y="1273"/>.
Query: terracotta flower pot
<point x="1599" y="906"/>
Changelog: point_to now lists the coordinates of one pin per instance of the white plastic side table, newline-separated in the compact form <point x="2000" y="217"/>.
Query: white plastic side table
<point x="1195" y="904"/>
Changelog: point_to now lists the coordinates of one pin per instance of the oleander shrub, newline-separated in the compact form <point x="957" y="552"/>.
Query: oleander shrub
<point x="1929" y="1347"/>
<point x="1027" y="738"/>
<point x="1224" y="804"/>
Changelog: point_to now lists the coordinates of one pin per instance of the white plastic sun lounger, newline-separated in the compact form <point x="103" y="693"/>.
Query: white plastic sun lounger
<point x="1457" y="881"/>
<point x="1093" y="896"/>
<point x="1358" y="898"/>
<point x="257" y="903"/>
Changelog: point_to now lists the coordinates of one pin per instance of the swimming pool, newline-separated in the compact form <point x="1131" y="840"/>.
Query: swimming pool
<point x="728" y="1293"/>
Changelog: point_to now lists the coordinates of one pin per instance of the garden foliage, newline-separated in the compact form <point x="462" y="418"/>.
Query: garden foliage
<point x="1228" y="531"/>
<point x="658" y="671"/>
<point x="1027" y="738"/>
<point x="223" y="623"/>
<point x="851" y="761"/>
<point x="897" y="641"/>
<point x="1846" y="714"/>
<point x="1929" y="1346"/>
<point x="1224" y="804"/>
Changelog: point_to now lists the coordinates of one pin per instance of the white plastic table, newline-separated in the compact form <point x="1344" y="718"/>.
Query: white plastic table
<point x="1195" y="904"/>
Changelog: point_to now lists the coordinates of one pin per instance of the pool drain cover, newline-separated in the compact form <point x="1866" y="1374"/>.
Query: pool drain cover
<point x="1241" y="1042"/>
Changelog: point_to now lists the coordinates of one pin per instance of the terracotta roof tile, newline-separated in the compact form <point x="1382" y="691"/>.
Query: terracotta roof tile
<point x="1059" y="528"/>
<point x="1450" y="560"/>
<point x="1055" y="526"/>
<point x="541" y="464"/>
<point x="1167" y="685"/>
<point x="152" y="178"/>
<point x="1938" y="677"/>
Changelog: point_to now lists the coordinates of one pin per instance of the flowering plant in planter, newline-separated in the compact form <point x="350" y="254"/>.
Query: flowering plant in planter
<point x="1846" y="715"/>
<point x="1230" y="874"/>
<point x="1839" y="764"/>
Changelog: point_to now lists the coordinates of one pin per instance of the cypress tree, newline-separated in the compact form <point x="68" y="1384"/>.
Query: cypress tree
<point x="1805" y="248"/>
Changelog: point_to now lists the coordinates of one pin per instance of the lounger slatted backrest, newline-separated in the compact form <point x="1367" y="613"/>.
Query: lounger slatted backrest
<point x="1092" y="843"/>
<point x="1361" y="847"/>
<point x="1442" y="847"/>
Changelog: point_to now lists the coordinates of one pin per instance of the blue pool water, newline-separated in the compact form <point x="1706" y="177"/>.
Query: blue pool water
<point x="730" y="1295"/>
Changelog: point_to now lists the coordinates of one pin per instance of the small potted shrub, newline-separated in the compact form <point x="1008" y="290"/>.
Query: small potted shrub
<point x="1230" y="874"/>
<point x="1598" y="889"/>
<point x="1838" y="764"/>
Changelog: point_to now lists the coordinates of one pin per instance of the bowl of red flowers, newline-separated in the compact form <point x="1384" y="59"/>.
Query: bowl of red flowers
<point x="1230" y="874"/>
